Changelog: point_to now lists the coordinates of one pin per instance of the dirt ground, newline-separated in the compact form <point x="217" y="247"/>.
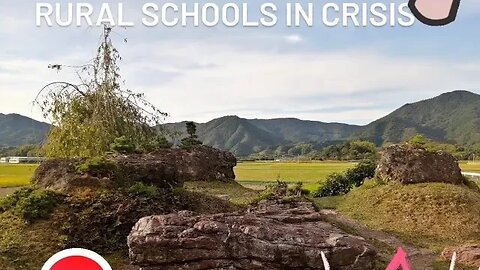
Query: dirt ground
<point x="5" y="191"/>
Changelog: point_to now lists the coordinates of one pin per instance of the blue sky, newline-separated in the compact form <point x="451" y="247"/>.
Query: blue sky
<point x="352" y="75"/>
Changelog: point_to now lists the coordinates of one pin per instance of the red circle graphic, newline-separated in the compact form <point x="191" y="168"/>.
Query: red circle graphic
<point x="76" y="263"/>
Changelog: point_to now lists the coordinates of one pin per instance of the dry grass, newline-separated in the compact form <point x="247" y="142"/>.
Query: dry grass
<point x="430" y="215"/>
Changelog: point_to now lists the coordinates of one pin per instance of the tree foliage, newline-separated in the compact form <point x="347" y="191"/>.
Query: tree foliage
<point x="341" y="183"/>
<point x="89" y="116"/>
<point x="192" y="139"/>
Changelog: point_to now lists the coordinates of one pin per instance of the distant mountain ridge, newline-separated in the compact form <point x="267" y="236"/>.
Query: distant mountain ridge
<point x="17" y="129"/>
<point x="247" y="136"/>
<point x="452" y="117"/>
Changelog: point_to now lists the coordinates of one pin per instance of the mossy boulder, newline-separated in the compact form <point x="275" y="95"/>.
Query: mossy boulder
<point x="166" y="169"/>
<point x="407" y="164"/>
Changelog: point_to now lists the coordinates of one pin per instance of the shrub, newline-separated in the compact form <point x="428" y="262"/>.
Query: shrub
<point x="298" y="190"/>
<point x="10" y="201"/>
<point x="364" y="170"/>
<point x="141" y="189"/>
<point x="267" y="195"/>
<point x="31" y="204"/>
<point x="340" y="184"/>
<point x="280" y="188"/>
<point x="39" y="204"/>
<point x="122" y="145"/>
<point x="97" y="166"/>
<point x="192" y="139"/>
<point x="159" y="142"/>
<point x="274" y="191"/>
<point x="335" y="184"/>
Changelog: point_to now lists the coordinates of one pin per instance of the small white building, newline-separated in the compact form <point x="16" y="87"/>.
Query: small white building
<point x="4" y="160"/>
<point x="18" y="160"/>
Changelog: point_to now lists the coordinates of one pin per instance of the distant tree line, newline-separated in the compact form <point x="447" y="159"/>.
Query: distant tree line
<point x="357" y="150"/>
<point x="27" y="150"/>
<point x="350" y="150"/>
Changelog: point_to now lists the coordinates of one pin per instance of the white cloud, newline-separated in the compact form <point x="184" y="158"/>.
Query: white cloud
<point x="294" y="39"/>
<point x="199" y="74"/>
<point x="260" y="83"/>
<point x="202" y="80"/>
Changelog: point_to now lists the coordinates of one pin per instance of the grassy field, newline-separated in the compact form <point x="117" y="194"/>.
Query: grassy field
<point x="258" y="174"/>
<point x="470" y="167"/>
<point x="15" y="175"/>
<point x="250" y="174"/>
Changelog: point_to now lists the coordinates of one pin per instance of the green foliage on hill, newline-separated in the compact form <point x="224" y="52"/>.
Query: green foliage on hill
<point x="452" y="117"/>
<point x="16" y="130"/>
<point x="244" y="137"/>
<point x="341" y="183"/>
<point x="30" y="204"/>
<point x="351" y="150"/>
<point x="99" y="220"/>
<point x="26" y="150"/>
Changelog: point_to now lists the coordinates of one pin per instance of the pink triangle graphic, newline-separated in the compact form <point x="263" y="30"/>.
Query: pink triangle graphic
<point x="399" y="260"/>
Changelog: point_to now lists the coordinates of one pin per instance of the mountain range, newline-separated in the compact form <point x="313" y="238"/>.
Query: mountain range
<point x="452" y="117"/>
<point x="16" y="130"/>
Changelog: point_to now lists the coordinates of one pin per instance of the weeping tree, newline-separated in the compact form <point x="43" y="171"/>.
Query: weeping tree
<point x="87" y="117"/>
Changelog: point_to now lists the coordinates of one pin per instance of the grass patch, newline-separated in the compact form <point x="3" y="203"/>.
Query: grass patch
<point x="16" y="175"/>
<point x="331" y="202"/>
<point x="27" y="246"/>
<point x="232" y="191"/>
<point x="442" y="265"/>
<point x="431" y="215"/>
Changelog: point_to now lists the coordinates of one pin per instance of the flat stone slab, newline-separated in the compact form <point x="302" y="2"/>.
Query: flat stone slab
<point x="269" y="237"/>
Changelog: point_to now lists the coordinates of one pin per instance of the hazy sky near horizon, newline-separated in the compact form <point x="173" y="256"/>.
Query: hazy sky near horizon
<point x="352" y="75"/>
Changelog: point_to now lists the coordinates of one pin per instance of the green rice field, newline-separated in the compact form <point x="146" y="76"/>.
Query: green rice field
<point x="259" y="174"/>
<point x="15" y="175"/>
<point x="250" y="174"/>
<point x="473" y="167"/>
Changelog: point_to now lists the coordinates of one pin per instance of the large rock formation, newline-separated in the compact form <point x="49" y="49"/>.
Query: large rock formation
<point x="270" y="237"/>
<point x="410" y="165"/>
<point x="165" y="168"/>
<point x="468" y="254"/>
